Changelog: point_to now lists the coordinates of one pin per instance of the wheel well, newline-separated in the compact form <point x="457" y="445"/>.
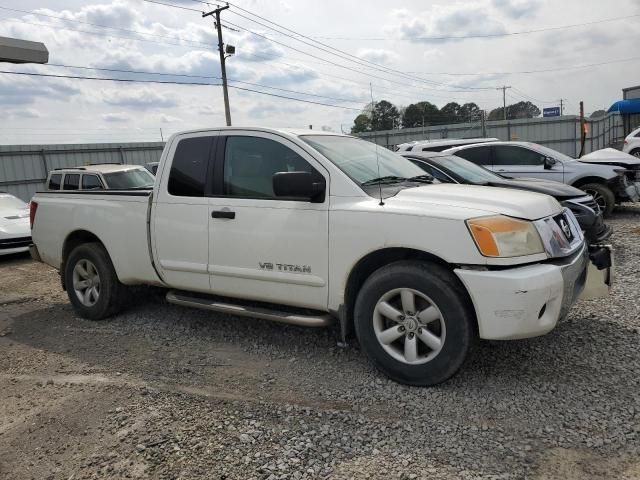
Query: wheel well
<point x="74" y="239"/>
<point x="369" y="264"/>
<point x="586" y="180"/>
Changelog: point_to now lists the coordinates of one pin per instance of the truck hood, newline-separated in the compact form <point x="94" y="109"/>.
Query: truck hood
<point x="611" y="156"/>
<point x="478" y="200"/>
<point x="558" y="190"/>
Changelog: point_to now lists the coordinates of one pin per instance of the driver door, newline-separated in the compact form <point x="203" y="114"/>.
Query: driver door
<point x="263" y="247"/>
<point x="518" y="161"/>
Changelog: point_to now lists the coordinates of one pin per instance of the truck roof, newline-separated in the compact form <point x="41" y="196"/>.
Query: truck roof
<point x="297" y="132"/>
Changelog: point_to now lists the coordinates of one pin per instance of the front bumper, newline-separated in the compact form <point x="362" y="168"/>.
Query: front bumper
<point x="525" y="301"/>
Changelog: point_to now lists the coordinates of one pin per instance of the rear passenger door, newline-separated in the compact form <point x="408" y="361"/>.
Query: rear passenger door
<point x="181" y="213"/>
<point x="519" y="161"/>
<point x="263" y="247"/>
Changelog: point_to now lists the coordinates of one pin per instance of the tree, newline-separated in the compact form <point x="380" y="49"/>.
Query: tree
<point x="469" y="112"/>
<point x="385" y="116"/>
<point x="362" y="123"/>
<point x="598" y="114"/>
<point x="450" y="113"/>
<point x="517" y="110"/>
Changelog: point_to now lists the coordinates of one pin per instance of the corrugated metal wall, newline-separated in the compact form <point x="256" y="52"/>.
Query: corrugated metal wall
<point x="559" y="133"/>
<point x="24" y="168"/>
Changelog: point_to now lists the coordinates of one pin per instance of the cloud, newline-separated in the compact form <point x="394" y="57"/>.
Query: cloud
<point x="164" y="118"/>
<point x="22" y="113"/>
<point x="15" y="90"/>
<point x="265" y="110"/>
<point x="517" y="8"/>
<point x="207" y="110"/>
<point x="376" y="55"/>
<point x="449" y="20"/>
<point x="140" y="99"/>
<point x="116" y="117"/>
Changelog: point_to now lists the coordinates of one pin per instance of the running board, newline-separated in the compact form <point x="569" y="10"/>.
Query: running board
<point x="210" y="303"/>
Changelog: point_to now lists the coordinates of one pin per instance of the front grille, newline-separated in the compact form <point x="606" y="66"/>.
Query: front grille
<point x="15" y="243"/>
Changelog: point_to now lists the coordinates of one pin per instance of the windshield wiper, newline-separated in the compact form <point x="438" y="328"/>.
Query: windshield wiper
<point x="422" y="178"/>
<point x="386" y="179"/>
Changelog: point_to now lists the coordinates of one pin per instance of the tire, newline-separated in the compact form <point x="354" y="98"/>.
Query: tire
<point x="432" y="286"/>
<point x="106" y="295"/>
<point x="603" y="196"/>
<point x="635" y="152"/>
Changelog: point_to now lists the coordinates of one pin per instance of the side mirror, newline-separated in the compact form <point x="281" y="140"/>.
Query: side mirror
<point x="549" y="163"/>
<point x="299" y="186"/>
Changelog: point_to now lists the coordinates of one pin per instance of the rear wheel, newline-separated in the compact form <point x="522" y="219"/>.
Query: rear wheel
<point x="635" y="152"/>
<point x="92" y="284"/>
<point x="602" y="195"/>
<point x="415" y="322"/>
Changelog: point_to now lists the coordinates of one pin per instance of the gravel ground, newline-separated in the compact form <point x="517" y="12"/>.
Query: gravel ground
<point x="173" y="393"/>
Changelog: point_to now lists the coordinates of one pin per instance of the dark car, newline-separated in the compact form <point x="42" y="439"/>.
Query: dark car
<point x="451" y="169"/>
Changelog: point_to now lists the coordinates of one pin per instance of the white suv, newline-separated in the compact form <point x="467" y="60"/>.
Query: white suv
<point x="100" y="177"/>
<point x="632" y="143"/>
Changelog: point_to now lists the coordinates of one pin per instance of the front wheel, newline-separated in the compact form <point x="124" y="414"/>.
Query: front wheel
<point x="415" y="322"/>
<point x="92" y="284"/>
<point x="602" y="195"/>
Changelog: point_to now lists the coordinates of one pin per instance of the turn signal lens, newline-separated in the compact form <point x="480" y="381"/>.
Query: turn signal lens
<point x="502" y="236"/>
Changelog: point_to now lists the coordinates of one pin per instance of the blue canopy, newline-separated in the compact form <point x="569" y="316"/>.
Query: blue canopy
<point x="626" y="106"/>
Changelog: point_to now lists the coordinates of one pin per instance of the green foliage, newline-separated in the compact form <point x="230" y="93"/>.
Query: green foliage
<point x="362" y="123"/>
<point x="515" y="111"/>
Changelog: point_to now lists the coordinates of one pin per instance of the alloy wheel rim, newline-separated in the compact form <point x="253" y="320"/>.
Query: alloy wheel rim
<point x="86" y="282"/>
<point x="599" y="199"/>
<point x="409" y="326"/>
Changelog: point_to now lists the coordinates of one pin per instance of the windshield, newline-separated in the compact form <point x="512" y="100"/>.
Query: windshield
<point x="139" y="178"/>
<point x="469" y="171"/>
<point x="9" y="202"/>
<point x="362" y="161"/>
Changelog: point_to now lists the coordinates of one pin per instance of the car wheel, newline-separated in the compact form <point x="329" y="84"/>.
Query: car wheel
<point x="635" y="152"/>
<point x="415" y="322"/>
<point x="92" y="284"/>
<point x="602" y="195"/>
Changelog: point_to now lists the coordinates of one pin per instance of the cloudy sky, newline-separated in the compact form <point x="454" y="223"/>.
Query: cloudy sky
<point x="407" y="51"/>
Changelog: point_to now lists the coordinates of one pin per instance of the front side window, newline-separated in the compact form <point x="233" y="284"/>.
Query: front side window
<point x="362" y="161"/>
<point x="434" y="172"/>
<point x="251" y="162"/>
<point x="477" y="155"/>
<point x="513" y="155"/>
<point x="54" y="181"/>
<point x="71" y="181"/>
<point x="129" y="179"/>
<point x="188" y="175"/>
<point x="91" y="182"/>
<point x="467" y="170"/>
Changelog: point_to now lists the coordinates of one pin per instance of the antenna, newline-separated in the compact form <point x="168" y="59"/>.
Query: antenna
<point x="377" y="156"/>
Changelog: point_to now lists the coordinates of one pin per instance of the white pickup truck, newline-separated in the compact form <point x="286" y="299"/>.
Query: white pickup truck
<point x="305" y="227"/>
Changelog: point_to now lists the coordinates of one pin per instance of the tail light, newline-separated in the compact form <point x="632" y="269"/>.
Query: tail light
<point x="33" y="207"/>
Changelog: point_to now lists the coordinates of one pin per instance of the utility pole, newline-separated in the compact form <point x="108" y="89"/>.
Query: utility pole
<point x="583" y="129"/>
<point x="562" y="106"/>
<point x="504" y="100"/>
<point x="223" y="68"/>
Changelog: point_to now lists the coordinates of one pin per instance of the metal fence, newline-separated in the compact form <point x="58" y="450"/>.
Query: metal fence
<point x="24" y="168"/>
<point x="559" y="133"/>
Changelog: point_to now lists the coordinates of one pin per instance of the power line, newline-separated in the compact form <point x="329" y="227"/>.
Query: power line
<point x="167" y="82"/>
<point x="558" y="69"/>
<point x="211" y="77"/>
<point x="172" y="5"/>
<point x="456" y="37"/>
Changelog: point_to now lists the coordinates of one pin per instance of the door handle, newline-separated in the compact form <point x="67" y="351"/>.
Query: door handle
<point x="223" y="214"/>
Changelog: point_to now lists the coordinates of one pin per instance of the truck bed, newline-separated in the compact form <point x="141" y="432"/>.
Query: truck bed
<point x="117" y="217"/>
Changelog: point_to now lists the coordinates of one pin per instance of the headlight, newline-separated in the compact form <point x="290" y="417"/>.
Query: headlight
<point x="502" y="236"/>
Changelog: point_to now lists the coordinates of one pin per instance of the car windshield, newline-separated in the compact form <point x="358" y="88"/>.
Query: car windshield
<point x="9" y="202"/>
<point x="138" y="178"/>
<point x="469" y="171"/>
<point x="363" y="161"/>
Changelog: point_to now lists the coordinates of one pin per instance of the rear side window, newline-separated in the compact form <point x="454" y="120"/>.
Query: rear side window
<point x="91" y="182"/>
<point x="477" y="155"/>
<point x="188" y="175"/>
<point x="71" y="181"/>
<point x="54" y="181"/>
